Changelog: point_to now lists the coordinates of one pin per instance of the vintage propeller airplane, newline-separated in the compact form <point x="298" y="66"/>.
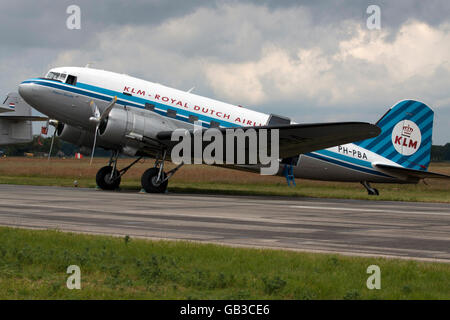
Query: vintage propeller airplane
<point x="126" y="115"/>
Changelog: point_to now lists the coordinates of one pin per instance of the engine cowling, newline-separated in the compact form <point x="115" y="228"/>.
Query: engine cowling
<point x="122" y="122"/>
<point x="74" y="135"/>
<point x="79" y="137"/>
<point x="113" y="129"/>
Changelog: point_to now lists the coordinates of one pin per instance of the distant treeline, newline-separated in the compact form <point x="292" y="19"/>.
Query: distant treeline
<point x="41" y="146"/>
<point x="440" y="153"/>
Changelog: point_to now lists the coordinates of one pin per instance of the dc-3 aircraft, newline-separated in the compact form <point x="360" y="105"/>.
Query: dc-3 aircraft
<point x="15" y="120"/>
<point x="126" y="115"/>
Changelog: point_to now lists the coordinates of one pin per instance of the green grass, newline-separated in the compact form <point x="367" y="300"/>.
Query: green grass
<point x="308" y="189"/>
<point x="33" y="266"/>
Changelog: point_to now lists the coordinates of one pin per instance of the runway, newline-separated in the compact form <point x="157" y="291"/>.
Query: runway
<point x="393" y="229"/>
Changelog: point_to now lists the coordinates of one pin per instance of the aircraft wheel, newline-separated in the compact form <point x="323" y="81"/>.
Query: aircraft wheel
<point x="149" y="183"/>
<point x="103" y="179"/>
<point x="373" y="192"/>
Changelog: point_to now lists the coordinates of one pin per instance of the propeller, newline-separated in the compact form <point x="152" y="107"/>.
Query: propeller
<point x="97" y="118"/>
<point x="54" y="123"/>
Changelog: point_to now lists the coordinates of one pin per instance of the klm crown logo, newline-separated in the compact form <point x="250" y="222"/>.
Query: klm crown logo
<point x="407" y="131"/>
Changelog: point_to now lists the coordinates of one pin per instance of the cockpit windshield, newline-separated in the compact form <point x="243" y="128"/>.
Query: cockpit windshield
<point x="56" y="76"/>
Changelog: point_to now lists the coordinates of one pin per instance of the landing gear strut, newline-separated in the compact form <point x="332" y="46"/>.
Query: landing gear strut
<point x="108" y="177"/>
<point x="371" y="191"/>
<point x="155" y="180"/>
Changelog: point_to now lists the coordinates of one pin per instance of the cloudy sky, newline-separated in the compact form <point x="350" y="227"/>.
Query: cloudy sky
<point x="315" y="61"/>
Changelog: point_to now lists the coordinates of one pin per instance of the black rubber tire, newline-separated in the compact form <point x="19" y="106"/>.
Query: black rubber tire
<point x="148" y="181"/>
<point x="102" y="179"/>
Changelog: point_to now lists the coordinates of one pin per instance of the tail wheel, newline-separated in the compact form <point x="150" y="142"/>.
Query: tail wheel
<point x="149" y="181"/>
<point x="104" y="181"/>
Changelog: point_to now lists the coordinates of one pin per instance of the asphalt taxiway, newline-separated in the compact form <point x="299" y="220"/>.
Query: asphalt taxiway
<point x="376" y="228"/>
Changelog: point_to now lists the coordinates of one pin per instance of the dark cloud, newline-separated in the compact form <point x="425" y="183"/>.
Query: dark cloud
<point x="183" y="43"/>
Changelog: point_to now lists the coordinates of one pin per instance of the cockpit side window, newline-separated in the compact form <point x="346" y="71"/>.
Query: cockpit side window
<point x="52" y="75"/>
<point x="62" y="77"/>
<point x="71" y="80"/>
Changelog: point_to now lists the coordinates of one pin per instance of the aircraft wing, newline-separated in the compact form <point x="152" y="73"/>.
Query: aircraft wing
<point x="295" y="139"/>
<point x="19" y="118"/>
<point x="410" y="173"/>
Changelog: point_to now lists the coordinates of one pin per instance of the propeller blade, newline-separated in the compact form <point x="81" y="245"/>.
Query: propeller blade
<point x="108" y="108"/>
<point x="51" y="145"/>
<point x="97" y="118"/>
<point x="53" y="123"/>
<point x="95" y="142"/>
<point x="95" y="110"/>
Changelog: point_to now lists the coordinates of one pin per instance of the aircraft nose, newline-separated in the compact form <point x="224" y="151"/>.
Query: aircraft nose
<point x="26" y="91"/>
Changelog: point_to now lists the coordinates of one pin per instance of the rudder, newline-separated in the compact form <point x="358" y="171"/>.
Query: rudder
<point x="406" y="133"/>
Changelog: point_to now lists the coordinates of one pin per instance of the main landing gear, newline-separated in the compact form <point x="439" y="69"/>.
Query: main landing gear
<point x="154" y="180"/>
<point x="371" y="191"/>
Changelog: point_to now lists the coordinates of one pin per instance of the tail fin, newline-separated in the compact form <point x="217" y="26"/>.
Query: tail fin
<point x="14" y="105"/>
<point x="405" y="138"/>
<point x="16" y="109"/>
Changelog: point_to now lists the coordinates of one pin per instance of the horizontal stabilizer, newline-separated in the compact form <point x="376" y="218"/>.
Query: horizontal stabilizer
<point x="410" y="173"/>
<point x="295" y="139"/>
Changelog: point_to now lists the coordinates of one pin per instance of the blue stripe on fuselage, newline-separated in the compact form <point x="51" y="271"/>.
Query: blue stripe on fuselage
<point x="107" y="95"/>
<point x="350" y="163"/>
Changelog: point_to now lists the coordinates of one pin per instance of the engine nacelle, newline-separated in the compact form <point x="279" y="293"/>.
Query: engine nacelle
<point x="74" y="135"/>
<point x="113" y="129"/>
<point x="80" y="137"/>
<point x="122" y="122"/>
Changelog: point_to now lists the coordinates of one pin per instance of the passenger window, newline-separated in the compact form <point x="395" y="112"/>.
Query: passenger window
<point x="214" y="124"/>
<point x="71" y="80"/>
<point x="149" y="106"/>
<point x="171" y="113"/>
<point x="193" y="118"/>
